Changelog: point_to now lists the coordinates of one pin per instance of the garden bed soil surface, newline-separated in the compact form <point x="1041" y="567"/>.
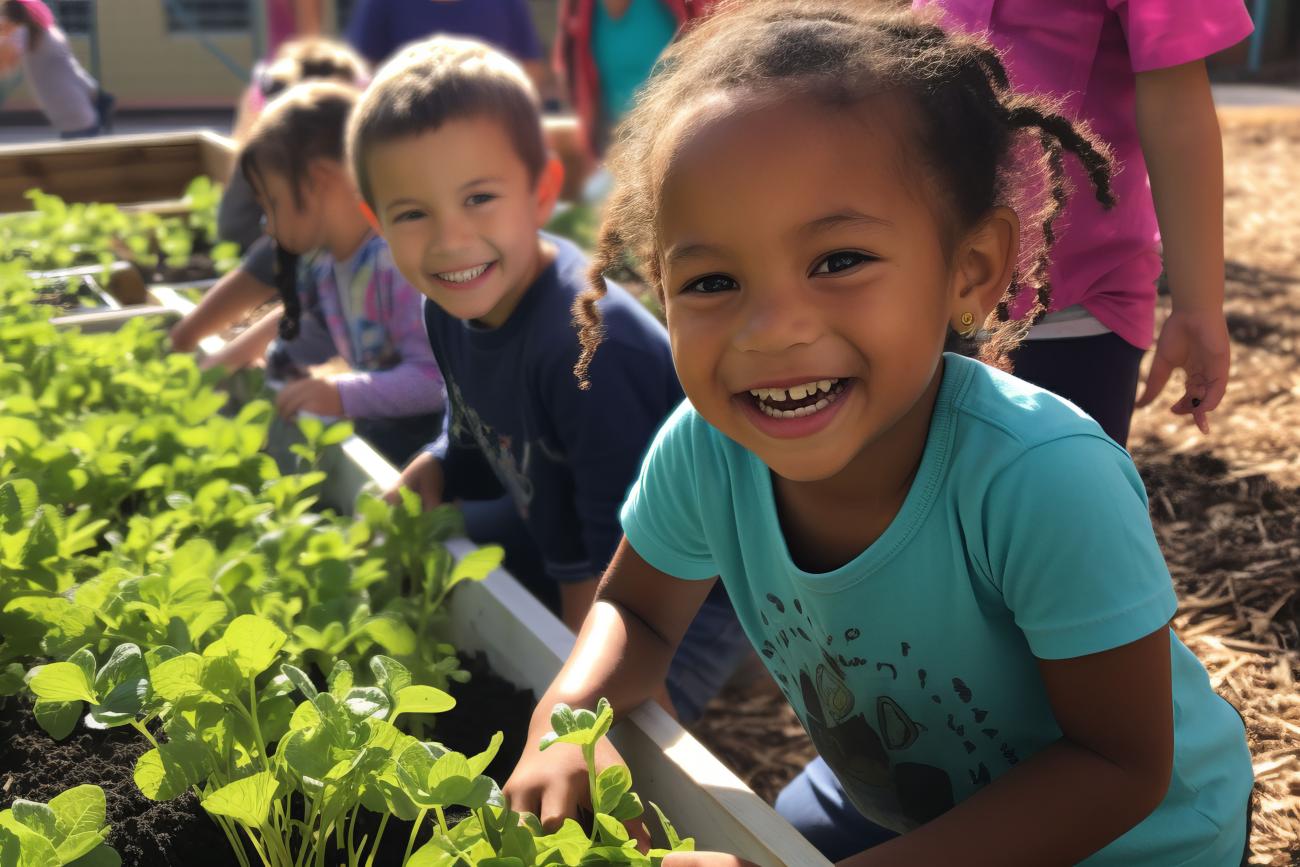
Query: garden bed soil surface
<point x="178" y="832"/>
<point x="69" y="295"/>
<point x="1226" y="507"/>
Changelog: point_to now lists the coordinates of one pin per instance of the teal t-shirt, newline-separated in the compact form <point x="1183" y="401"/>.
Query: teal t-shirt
<point x="1025" y="534"/>
<point x="625" y="50"/>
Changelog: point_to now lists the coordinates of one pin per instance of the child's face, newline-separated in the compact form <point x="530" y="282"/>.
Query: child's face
<point x="799" y="253"/>
<point x="298" y="228"/>
<point x="460" y="214"/>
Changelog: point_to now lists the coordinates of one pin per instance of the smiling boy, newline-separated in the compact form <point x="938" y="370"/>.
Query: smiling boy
<point x="448" y="151"/>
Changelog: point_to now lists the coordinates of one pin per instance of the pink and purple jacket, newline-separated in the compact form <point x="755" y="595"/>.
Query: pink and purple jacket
<point x="376" y="324"/>
<point x="1088" y="53"/>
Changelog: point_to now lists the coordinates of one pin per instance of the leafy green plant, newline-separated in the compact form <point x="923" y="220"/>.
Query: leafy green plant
<point x="494" y="836"/>
<point x="70" y="830"/>
<point x="57" y="234"/>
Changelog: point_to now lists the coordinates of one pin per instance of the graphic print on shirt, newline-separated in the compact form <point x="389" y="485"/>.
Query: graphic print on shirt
<point x="511" y="470"/>
<point x="865" y="738"/>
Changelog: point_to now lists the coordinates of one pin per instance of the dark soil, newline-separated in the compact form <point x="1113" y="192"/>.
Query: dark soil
<point x="159" y="834"/>
<point x="66" y="296"/>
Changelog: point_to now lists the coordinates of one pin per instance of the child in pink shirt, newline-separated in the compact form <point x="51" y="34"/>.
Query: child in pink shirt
<point x="1135" y="70"/>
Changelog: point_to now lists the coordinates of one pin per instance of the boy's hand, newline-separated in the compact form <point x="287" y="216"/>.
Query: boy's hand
<point x="1197" y="342"/>
<point x="552" y="785"/>
<point x="422" y="475"/>
<point x="705" y="859"/>
<point x="319" y="396"/>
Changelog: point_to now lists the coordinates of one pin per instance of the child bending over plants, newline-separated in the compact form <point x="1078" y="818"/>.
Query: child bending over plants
<point x="950" y="573"/>
<point x="448" y="149"/>
<point x="239" y="216"/>
<point x="345" y="297"/>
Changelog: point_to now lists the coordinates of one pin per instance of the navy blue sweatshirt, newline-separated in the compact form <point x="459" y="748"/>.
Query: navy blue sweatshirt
<point x="519" y="424"/>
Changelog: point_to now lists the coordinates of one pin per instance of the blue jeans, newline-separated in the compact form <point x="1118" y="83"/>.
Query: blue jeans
<point x="815" y="804"/>
<point x="712" y="649"/>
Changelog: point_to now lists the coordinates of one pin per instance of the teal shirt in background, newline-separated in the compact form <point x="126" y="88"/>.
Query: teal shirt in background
<point x="1025" y="535"/>
<point x="625" y="50"/>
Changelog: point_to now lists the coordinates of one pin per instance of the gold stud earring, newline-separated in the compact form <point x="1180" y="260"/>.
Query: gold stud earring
<point x="968" y="328"/>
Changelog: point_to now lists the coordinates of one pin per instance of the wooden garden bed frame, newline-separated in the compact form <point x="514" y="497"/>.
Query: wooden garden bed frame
<point x="142" y="171"/>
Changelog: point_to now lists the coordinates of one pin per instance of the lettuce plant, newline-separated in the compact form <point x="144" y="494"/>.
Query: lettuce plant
<point x="68" y="830"/>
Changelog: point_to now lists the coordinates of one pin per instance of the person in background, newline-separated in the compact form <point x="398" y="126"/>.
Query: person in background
<point x="70" y="98"/>
<point x="606" y="49"/>
<point x="291" y="19"/>
<point x="239" y="216"/>
<point x="1134" y="70"/>
<point x="377" y="28"/>
<point x="345" y="297"/>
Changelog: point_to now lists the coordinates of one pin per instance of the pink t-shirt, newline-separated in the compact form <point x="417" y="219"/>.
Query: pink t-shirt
<point x="1087" y="53"/>
<point x="281" y="24"/>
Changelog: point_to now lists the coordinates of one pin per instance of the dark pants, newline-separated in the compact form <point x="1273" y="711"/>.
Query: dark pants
<point x="399" y="438"/>
<point x="104" y="103"/>
<point x="1098" y="374"/>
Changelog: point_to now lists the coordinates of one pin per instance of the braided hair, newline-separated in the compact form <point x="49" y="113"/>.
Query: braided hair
<point x="983" y="144"/>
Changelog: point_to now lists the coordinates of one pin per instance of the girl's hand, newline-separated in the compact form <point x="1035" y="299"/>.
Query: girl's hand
<point x="1196" y="341"/>
<point x="319" y="396"/>
<point x="705" y="859"/>
<point x="552" y="785"/>
<point x="422" y="475"/>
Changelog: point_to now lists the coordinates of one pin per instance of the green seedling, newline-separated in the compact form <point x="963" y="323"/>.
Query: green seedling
<point x="70" y="830"/>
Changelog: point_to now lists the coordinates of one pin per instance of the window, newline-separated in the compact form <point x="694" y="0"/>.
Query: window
<point x="185" y="16"/>
<point x="73" y="16"/>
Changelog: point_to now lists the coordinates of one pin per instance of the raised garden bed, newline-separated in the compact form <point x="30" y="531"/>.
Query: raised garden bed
<point x="494" y="619"/>
<point x="149" y="172"/>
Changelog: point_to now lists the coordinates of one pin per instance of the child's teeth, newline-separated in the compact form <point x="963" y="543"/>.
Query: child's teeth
<point x="798" y="392"/>
<point x="463" y="276"/>
<point x="824" y="385"/>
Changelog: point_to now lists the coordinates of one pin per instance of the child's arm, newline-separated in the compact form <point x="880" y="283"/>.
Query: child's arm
<point x="413" y="386"/>
<point x="1109" y="770"/>
<point x="231" y="297"/>
<point x="249" y="346"/>
<point x="622" y="653"/>
<point x="424" y="476"/>
<point x="1184" y="156"/>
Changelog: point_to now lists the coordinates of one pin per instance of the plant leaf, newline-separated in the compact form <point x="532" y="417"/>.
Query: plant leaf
<point x="37" y="817"/>
<point x="477" y="564"/>
<point x="168" y="770"/>
<point x="247" y="800"/>
<point x="423" y="699"/>
<point x="392" y="634"/>
<point x="611" y="785"/>
<point x="251" y="641"/>
<point x="79" y="810"/>
<point x="58" y="718"/>
<point x="675" y="843"/>
<point x="62" y="681"/>
<point x="390" y="674"/>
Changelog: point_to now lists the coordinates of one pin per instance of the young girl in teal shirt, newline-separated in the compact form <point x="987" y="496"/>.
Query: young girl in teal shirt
<point x="950" y="573"/>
